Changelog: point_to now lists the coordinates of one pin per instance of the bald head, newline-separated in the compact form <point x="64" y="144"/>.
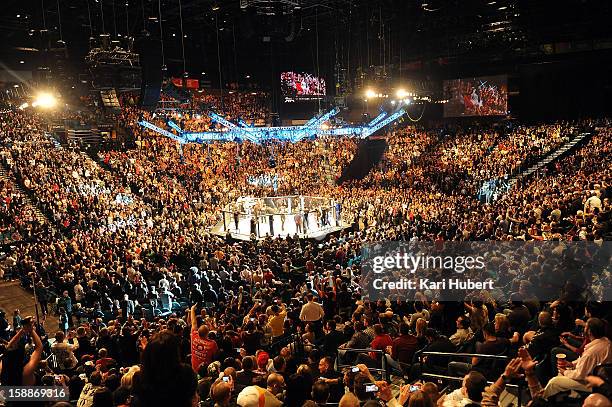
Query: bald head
<point x="221" y="392"/>
<point x="545" y="319"/>
<point x="230" y="371"/>
<point x="349" y="400"/>
<point x="203" y="331"/>
<point x="596" y="400"/>
<point x="274" y="379"/>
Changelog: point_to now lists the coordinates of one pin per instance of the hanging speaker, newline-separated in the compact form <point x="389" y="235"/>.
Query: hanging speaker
<point x="149" y="49"/>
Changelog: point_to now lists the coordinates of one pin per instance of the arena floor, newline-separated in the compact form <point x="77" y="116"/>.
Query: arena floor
<point x="13" y="296"/>
<point x="243" y="232"/>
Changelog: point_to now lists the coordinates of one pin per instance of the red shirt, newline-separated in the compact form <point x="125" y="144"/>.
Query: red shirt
<point x="202" y="350"/>
<point x="105" y="362"/>
<point x="404" y="347"/>
<point x="380" y="342"/>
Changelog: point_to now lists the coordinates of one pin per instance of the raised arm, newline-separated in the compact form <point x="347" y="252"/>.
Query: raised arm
<point x="15" y="339"/>
<point x="192" y="318"/>
<point x="75" y="343"/>
<point x="30" y="367"/>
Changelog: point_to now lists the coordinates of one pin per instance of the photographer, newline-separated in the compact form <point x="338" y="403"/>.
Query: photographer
<point x="366" y="388"/>
<point x="13" y="372"/>
<point x="222" y="392"/>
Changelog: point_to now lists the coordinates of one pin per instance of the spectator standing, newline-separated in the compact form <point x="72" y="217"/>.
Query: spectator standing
<point x="203" y="350"/>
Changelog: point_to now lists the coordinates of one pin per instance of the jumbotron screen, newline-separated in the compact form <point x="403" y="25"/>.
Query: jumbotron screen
<point x="483" y="96"/>
<point x="301" y="86"/>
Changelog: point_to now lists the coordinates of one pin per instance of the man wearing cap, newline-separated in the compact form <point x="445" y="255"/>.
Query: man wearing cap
<point x="255" y="396"/>
<point x="262" y="359"/>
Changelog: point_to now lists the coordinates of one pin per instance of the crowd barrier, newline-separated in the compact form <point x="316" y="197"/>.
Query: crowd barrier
<point x="383" y="362"/>
<point x="519" y="386"/>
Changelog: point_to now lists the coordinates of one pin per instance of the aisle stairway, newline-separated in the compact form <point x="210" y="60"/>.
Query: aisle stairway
<point x="369" y="153"/>
<point x="6" y="177"/>
<point x="551" y="157"/>
<point x="491" y="190"/>
<point x="55" y="142"/>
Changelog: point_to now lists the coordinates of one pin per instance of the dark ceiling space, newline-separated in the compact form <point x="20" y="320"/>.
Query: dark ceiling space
<point x="316" y="36"/>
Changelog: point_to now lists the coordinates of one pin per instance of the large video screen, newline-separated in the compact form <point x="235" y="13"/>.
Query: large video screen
<point x="301" y="86"/>
<point x="483" y="96"/>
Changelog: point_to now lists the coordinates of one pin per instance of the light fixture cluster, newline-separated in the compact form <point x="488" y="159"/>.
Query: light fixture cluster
<point x="399" y="93"/>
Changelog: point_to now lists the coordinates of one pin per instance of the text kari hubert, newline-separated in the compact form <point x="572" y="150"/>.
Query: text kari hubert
<point x="411" y="263"/>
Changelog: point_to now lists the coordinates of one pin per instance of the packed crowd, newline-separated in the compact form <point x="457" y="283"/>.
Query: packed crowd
<point x="155" y="311"/>
<point x="18" y="219"/>
<point x="68" y="186"/>
<point x="522" y="147"/>
<point x="210" y="177"/>
<point x="251" y="107"/>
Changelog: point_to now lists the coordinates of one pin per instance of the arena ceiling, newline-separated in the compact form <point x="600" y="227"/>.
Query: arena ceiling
<point x="304" y="33"/>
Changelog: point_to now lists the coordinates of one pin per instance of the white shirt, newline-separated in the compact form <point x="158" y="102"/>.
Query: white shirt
<point x="457" y="399"/>
<point x="592" y="202"/>
<point x="78" y="292"/>
<point x="163" y="283"/>
<point x="461" y="336"/>
<point x="311" y="311"/>
<point x="64" y="353"/>
<point x="86" y="397"/>
<point x="595" y="353"/>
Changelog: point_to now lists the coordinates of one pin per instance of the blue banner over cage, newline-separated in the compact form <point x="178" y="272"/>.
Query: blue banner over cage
<point x="241" y="131"/>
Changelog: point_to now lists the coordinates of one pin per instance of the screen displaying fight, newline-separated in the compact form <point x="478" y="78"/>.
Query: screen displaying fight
<point x="301" y="86"/>
<point x="483" y="96"/>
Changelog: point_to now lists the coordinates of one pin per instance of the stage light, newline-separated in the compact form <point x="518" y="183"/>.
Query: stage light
<point x="393" y="102"/>
<point x="407" y="101"/>
<point x="401" y="93"/>
<point x="44" y="100"/>
<point x="23" y="106"/>
<point x="370" y="94"/>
